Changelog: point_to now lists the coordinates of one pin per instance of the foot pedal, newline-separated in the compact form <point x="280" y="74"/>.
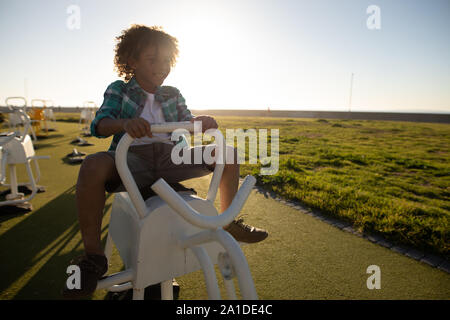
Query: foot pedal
<point x="20" y="208"/>
<point x="151" y="293"/>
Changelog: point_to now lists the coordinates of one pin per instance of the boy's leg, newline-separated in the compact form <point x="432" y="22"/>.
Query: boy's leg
<point x="229" y="182"/>
<point x="228" y="188"/>
<point x="228" y="185"/>
<point x="95" y="171"/>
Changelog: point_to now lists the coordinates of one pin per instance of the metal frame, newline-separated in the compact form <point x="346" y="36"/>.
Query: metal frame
<point x="137" y="217"/>
<point x="38" y="115"/>
<point x="18" y="115"/>
<point x="87" y="115"/>
<point x="18" y="149"/>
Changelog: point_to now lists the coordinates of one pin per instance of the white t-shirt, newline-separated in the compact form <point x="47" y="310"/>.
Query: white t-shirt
<point x="152" y="112"/>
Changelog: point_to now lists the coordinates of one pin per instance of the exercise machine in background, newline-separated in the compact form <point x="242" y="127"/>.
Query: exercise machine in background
<point x="16" y="148"/>
<point x="86" y="116"/>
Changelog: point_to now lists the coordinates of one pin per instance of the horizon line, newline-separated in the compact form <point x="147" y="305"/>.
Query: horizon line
<point x="283" y="110"/>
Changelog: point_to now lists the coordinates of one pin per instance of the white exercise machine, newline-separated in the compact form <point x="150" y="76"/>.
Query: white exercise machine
<point x="173" y="234"/>
<point x="50" y="115"/>
<point x="17" y="148"/>
<point x="87" y="115"/>
<point x="38" y="120"/>
<point x="48" y="111"/>
<point x="17" y="115"/>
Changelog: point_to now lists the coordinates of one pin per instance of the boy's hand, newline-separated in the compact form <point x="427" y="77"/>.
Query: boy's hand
<point x="137" y="128"/>
<point x="207" y="122"/>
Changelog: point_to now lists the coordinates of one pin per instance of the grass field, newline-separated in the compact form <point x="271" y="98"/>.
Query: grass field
<point x="391" y="178"/>
<point x="371" y="173"/>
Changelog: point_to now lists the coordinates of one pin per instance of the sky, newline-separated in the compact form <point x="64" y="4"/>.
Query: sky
<point x="239" y="54"/>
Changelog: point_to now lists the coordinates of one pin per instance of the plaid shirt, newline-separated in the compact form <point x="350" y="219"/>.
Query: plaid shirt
<point x="127" y="100"/>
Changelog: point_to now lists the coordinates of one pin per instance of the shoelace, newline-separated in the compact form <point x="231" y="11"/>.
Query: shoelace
<point x="240" y="222"/>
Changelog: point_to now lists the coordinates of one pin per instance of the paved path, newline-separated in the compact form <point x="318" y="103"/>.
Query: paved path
<point x="431" y="259"/>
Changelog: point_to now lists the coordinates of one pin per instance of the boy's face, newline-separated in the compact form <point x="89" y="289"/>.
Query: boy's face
<point x="152" y="67"/>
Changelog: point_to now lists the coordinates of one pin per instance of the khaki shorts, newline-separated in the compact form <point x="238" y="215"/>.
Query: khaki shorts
<point x="149" y="162"/>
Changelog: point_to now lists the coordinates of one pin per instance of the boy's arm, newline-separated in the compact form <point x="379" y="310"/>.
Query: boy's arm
<point x="109" y="109"/>
<point x="208" y="122"/>
<point x="136" y="127"/>
<point x="184" y="114"/>
<point x="108" y="126"/>
<point x="107" y="121"/>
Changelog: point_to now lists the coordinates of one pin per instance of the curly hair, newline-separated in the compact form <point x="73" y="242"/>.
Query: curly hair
<point x="136" y="38"/>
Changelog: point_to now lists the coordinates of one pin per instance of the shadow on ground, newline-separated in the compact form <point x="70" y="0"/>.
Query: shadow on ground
<point x="36" y="251"/>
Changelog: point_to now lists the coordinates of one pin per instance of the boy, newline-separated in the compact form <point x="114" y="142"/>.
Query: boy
<point x="144" y="57"/>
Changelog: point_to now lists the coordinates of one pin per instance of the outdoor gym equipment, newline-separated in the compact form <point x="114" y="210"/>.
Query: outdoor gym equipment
<point x="49" y="115"/>
<point x="172" y="234"/>
<point x="37" y="116"/>
<point x="86" y="116"/>
<point x="18" y="149"/>
<point x="18" y="116"/>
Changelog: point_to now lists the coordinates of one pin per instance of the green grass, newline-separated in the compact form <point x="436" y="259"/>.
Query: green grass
<point x="68" y="117"/>
<point x="303" y="258"/>
<point x="391" y="178"/>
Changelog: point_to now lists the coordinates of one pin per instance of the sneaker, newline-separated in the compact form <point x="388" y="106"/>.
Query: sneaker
<point x="245" y="233"/>
<point x="92" y="268"/>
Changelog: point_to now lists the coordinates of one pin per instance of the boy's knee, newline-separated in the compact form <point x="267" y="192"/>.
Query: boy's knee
<point x="95" y="166"/>
<point x="231" y="156"/>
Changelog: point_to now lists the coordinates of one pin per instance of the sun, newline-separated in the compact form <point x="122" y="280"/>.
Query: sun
<point x="209" y="58"/>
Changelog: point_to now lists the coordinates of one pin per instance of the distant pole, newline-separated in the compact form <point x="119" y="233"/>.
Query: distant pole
<point x="350" y="98"/>
<point x="25" y="88"/>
